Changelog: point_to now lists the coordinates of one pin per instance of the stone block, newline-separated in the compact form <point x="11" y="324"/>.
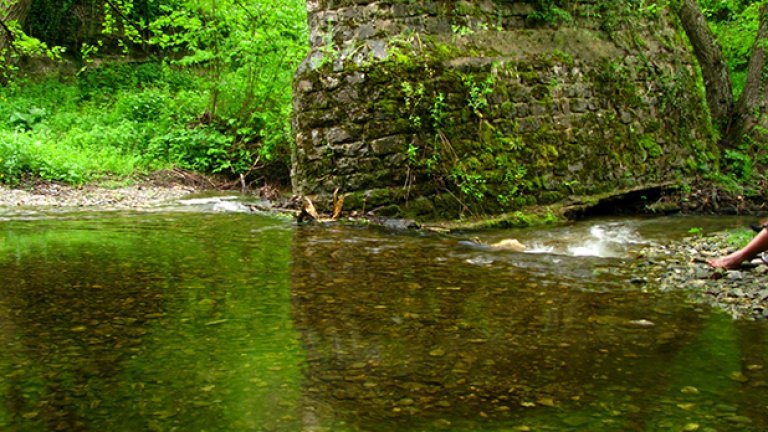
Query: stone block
<point x="377" y="197"/>
<point x="529" y="124"/>
<point x="388" y="145"/>
<point x="366" y="31"/>
<point x="397" y="160"/>
<point x="420" y="206"/>
<point x="352" y="165"/>
<point x="316" y="101"/>
<point x="355" y="78"/>
<point x="348" y="96"/>
<point x="578" y="106"/>
<point x="329" y="82"/>
<point x="355" y="149"/>
<point x="344" y="134"/>
<point x="403" y="10"/>
<point x="538" y="109"/>
<point x="625" y="117"/>
<point x="304" y="86"/>
<point x="316" y="119"/>
<point x="358" y="114"/>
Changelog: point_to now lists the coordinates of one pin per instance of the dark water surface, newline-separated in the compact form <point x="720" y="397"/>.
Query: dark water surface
<point x="194" y="321"/>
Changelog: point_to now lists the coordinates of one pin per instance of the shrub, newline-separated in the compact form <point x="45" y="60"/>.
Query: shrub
<point x="221" y="102"/>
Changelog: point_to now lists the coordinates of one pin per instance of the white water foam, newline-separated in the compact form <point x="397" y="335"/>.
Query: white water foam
<point x="605" y="241"/>
<point x="539" y="248"/>
<point x="601" y="240"/>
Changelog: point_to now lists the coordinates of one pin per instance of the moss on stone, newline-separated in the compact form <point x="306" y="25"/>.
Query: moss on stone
<point x="497" y="121"/>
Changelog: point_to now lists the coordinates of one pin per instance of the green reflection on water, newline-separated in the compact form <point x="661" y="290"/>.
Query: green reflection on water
<point x="148" y="323"/>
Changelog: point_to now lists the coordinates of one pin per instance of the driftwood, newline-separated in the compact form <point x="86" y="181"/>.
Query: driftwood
<point x="308" y="212"/>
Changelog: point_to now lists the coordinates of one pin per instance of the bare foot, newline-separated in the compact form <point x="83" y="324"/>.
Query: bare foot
<point x="727" y="263"/>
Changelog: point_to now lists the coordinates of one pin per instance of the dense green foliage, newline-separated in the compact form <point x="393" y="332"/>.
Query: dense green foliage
<point x="201" y="86"/>
<point x="734" y="23"/>
<point x="112" y="120"/>
<point x="207" y="87"/>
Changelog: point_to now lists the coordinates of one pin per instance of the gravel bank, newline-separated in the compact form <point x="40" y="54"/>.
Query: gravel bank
<point x="743" y="293"/>
<point x="127" y="197"/>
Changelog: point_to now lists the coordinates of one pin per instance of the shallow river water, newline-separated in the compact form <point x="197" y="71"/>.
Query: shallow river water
<point x="196" y="320"/>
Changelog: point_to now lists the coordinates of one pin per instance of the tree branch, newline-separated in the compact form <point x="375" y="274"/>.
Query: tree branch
<point x="751" y="95"/>
<point x="751" y="103"/>
<point x="139" y="28"/>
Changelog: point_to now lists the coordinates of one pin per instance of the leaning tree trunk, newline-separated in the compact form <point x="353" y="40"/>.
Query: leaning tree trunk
<point x="752" y="108"/>
<point x="10" y="11"/>
<point x="714" y="68"/>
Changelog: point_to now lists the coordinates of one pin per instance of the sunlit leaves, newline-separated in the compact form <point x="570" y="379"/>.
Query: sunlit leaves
<point x="249" y="50"/>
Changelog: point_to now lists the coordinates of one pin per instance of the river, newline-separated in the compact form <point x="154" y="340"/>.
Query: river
<point x="191" y="319"/>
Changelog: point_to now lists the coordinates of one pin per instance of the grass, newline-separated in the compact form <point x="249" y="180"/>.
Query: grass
<point x="100" y="124"/>
<point x="117" y="120"/>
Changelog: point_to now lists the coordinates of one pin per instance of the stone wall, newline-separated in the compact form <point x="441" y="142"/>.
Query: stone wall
<point x="441" y="109"/>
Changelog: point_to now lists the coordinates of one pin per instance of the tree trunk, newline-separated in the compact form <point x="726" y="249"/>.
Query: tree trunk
<point x="11" y="10"/>
<point x="752" y="108"/>
<point x="714" y="69"/>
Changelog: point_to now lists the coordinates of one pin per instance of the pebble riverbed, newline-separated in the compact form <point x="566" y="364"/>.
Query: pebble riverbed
<point x="127" y="197"/>
<point x="742" y="293"/>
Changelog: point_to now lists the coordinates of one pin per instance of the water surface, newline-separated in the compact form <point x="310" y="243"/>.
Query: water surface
<point x="198" y="321"/>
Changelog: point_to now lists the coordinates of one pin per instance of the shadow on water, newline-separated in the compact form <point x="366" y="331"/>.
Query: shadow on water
<point x="234" y="322"/>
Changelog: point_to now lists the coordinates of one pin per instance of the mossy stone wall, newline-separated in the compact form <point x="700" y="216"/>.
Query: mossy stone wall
<point x="440" y="109"/>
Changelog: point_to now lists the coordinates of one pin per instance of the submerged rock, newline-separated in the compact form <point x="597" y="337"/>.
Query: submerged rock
<point x="509" y="244"/>
<point x="399" y="224"/>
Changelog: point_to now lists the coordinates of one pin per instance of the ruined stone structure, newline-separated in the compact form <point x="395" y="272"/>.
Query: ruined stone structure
<point x="441" y="108"/>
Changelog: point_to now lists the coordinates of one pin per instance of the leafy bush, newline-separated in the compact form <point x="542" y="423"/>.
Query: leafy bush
<point x="21" y="155"/>
<point x="141" y="106"/>
<point x="200" y="149"/>
<point x="48" y="131"/>
<point x="112" y="77"/>
<point x="221" y="102"/>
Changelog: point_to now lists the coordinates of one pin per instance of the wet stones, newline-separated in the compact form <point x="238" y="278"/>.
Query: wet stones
<point x="681" y="266"/>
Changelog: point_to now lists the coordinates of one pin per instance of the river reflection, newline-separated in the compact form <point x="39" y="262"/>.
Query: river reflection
<point x="147" y="322"/>
<point x="234" y="322"/>
<point x="412" y="334"/>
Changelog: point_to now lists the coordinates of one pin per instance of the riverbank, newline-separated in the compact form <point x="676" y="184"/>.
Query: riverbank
<point x="124" y="193"/>
<point x="123" y="197"/>
<point x="681" y="266"/>
<point x="675" y="266"/>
